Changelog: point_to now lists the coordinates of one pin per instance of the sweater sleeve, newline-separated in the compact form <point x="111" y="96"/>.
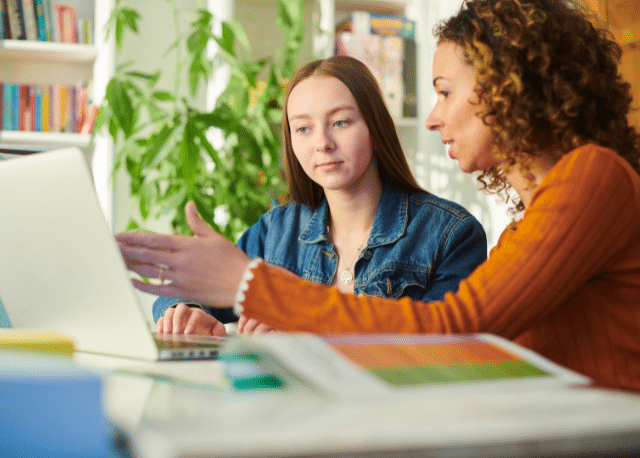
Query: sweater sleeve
<point x="576" y="223"/>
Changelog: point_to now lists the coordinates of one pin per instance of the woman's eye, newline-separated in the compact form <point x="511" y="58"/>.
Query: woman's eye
<point x="444" y="94"/>
<point x="302" y="129"/>
<point x="341" y="123"/>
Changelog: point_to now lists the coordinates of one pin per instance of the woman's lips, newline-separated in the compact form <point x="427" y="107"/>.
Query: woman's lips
<point x="329" y="166"/>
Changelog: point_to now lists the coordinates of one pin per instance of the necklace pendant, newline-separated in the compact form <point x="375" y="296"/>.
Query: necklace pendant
<point x="346" y="276"/>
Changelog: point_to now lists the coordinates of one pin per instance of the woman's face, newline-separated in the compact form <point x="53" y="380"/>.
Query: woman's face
<point x="454" y="114"/>
<point x="329" y="136"/>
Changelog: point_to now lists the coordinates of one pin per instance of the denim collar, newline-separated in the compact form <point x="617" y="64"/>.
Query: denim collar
<point x="389" y="225"/>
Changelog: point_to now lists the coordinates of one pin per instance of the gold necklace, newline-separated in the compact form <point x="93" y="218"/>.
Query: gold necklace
<point x="347" y="276"/>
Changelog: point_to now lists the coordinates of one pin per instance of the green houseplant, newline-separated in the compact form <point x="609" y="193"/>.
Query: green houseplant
<point x="162" y="139"/>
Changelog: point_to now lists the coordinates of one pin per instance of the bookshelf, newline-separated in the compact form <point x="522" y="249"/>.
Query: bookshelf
<point x="53" y="63"/>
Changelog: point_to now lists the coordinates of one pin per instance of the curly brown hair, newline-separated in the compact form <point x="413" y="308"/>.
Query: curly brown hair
<point x="547" y="81"/>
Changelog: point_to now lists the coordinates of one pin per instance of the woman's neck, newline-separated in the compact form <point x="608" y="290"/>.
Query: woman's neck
<point x="353" y="212"/>
<point x="539" y="168"/>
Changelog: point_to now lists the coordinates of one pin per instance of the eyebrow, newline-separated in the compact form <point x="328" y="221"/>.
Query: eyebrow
<point x="332" y="111"/>
<point x="435" y="80"/>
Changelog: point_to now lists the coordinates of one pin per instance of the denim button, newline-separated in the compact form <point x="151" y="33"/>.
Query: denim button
<point x="367" y="255"/>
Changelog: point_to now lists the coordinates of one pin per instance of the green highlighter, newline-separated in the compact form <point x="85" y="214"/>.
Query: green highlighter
<point x="246" y="373"/>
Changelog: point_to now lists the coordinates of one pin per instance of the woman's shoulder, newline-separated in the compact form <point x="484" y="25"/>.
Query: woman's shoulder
<point x="428" y="202"/>
<point x="592" y="163"/>
<point x="287" y="214"/>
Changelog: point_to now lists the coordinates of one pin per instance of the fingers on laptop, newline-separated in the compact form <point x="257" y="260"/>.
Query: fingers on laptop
<point x="183" y="319"/>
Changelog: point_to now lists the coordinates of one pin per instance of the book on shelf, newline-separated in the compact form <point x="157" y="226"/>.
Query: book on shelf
<point x="29" y="16"/>
<point x="43" y="108"/>
<point x="16" y="29"/>
<point x="392" y="61"/>
<point x="365" y="22"/>
<point x="47" y="12"/>
<point x="409" y="80"/>
<point x="43" y="20"/>
<point x="3" y="18"/>
<point x="65" y="20"/>
<point x="386" y="44"/>
<point x="351" y="365"/>
<point x="40" y="21"/>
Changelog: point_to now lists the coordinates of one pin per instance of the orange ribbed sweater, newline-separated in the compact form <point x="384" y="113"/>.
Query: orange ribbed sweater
<point x="565" y="283"/>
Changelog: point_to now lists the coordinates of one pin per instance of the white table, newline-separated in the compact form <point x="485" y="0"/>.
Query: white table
<point x="176" y="409"/>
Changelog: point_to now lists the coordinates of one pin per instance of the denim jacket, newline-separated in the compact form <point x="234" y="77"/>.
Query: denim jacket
<point x="420" y="246"/>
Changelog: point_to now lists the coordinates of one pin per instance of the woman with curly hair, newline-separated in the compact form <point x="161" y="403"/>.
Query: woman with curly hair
<point x="529" y="94"/>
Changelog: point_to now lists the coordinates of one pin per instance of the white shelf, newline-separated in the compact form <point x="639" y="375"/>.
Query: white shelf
<point x="396" y="7"/>
<point x="43" y="50"/>
<point x="42" y="140"/>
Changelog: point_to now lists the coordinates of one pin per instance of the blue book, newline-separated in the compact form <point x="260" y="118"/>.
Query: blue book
<point x="3" y="13"/>
<point x="42" y="32"/>
<point x="15" y="107"/>
<point x="6" y="103"/>
<point x="38" y="108"/>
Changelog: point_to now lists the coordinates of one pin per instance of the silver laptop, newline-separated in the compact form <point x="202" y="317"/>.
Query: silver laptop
<point x="61" y="269"/>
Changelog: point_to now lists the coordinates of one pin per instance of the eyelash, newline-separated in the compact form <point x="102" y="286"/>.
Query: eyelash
<point x="343" y="123"/>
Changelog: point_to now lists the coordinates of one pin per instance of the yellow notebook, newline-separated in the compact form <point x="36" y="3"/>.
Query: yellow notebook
<point x="36" y="340"/>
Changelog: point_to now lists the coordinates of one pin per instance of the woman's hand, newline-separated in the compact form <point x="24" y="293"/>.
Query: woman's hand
<point x="183" y="319"/>
<point x="250" y="326"/>
<point x="205" y="268"/>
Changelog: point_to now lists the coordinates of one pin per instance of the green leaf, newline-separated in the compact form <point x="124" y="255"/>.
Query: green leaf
<point x="120" y="105"/>
<point x="162" y="95"/>
<point x="234" y="28"/>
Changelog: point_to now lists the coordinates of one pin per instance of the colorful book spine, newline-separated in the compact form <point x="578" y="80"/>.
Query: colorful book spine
<point x="15" y="107"/>
<point x="27" y="107"/>
<point x="55" y="110"/>
<point x="46" y="108"/>
<point x="16" y="20"/>
<point x="66" y="23"/>
<point x="29" y="15"/>
<point x="48" y="21"/>
<point x="409" y="80"/>
<point x="39" y="7"/>
<point x="22" y="106"/>
<point x="3" y="30"/>
<point x="6" y="106"/>
<point x="377" y="24"/>
<point x="38" y="107"/>
<point x="43" y="108"/>
<point x="63" y="108"/>
<point x="85" y="31"/>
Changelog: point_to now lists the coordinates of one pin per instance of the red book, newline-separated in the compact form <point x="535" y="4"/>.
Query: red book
<point x="27" y="107"/>
<point x="66" y="23"/>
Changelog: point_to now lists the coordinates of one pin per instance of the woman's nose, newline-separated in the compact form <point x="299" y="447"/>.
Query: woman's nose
<point x="433" y="122"/>
<point x="324" y="142"/>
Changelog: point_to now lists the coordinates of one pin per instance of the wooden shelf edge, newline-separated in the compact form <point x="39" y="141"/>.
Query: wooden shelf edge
<point x="41" y="50"/>
<point x="41" y="140"/>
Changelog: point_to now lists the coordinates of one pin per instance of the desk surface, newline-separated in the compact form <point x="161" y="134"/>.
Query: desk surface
<point x="173" y="409"/>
